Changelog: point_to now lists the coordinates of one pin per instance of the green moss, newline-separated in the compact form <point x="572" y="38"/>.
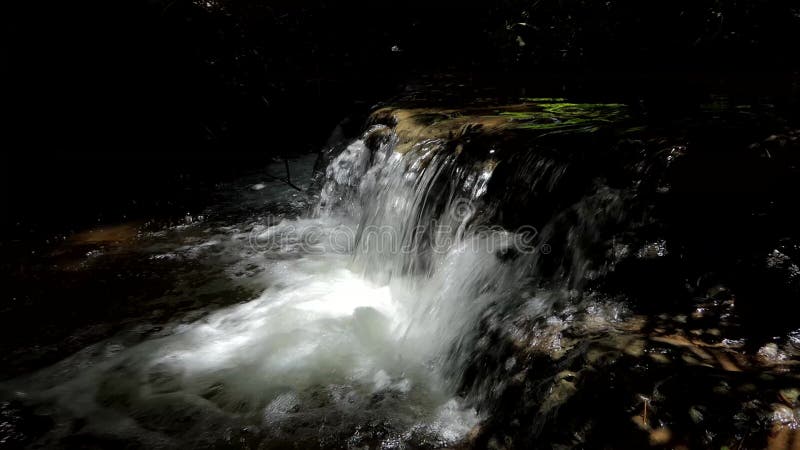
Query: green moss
<point x="557" y="115"/>
<point x="430" y="118"/>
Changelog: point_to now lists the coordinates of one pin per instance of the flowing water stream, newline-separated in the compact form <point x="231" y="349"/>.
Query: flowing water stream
<point x="388" y="300"/>
<point x="353" y="339"/>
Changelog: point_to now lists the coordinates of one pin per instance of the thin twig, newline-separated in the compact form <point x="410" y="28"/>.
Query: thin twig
<point x="288" y="174"/>
<point x="273" y="177"/>
<point x="644" y="414"/>
<point x="288" y="179"/>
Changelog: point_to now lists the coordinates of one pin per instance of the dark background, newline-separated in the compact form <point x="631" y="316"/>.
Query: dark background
<point x="122" y="108"/>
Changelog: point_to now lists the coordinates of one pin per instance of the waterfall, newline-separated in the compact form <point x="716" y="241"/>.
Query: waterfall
<point x="377" y="306"/>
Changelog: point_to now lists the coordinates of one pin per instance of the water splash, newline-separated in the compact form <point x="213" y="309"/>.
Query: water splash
<point x="373" y="308"/>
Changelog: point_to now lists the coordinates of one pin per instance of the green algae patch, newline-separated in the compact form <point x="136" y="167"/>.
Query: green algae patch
<point x="557" y="115"/>
<point x="413" y="125"/>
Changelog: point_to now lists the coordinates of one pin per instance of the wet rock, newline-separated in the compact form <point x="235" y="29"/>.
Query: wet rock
<point x="791" y="397"/>
<point x="660" y="436"/>
<point x="660" y="358"/>
<point x="696" y="414"/>
<point x="378" y="137"/>
<point x="636" y="348"/>
<point x="414" y="125"/>
<point x="784" y="415"/>
<point x="785" y="430"/>
<point x="563" y="388"/>
<point x="771" y="353"/>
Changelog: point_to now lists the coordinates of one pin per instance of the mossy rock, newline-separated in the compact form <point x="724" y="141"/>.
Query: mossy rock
<point x="533" y="118"/>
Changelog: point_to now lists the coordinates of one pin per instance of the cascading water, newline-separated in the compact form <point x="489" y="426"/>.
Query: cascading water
<point x="407" y="301"/>
<point x="362" y="332"/>
<point x="421" y="231"/>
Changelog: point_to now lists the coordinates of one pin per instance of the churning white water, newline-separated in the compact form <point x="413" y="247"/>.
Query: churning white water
<point x="358" y="336"/>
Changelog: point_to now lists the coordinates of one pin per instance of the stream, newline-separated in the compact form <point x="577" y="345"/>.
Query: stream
<point x="448" y="279"/>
